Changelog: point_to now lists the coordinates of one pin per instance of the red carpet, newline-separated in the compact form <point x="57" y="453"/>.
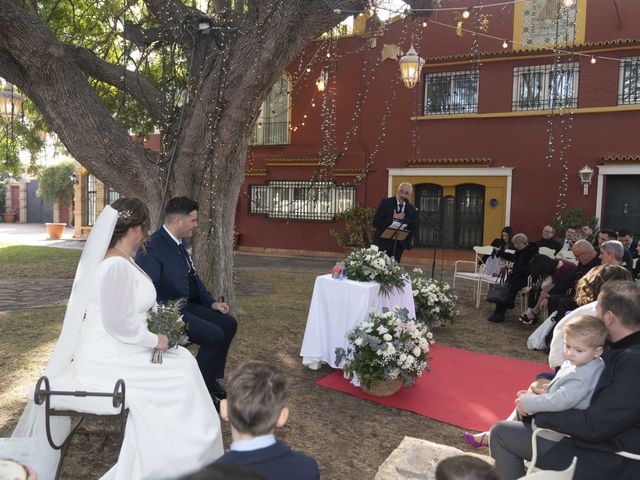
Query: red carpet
<point x="467" y="389"/>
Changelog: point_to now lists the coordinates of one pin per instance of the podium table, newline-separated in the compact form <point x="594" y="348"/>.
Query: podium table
<point x="337" y="306"/>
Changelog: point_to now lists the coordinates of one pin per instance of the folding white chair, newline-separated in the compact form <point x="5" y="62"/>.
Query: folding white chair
<point x="473" y="271"/>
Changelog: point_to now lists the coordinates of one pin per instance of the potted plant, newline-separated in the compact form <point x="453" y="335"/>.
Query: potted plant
<point x="386" y="352"/>
<point x="56" y="187"/>
<point x="9" y="216"/>
<point x="358" y="227"/>
<point x="436" y="302"/>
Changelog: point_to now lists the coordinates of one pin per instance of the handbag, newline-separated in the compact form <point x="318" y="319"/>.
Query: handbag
<point x="538" y="339"/>
<point x="499" y="291"/>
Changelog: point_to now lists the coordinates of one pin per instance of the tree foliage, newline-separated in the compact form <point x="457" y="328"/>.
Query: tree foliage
<point x="56" y="185"/>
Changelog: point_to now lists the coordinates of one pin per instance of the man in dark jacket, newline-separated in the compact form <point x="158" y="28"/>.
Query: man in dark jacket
<point x="610" y="424"/>
<point x="169" y="265"/>
<point x="396" y="209"/>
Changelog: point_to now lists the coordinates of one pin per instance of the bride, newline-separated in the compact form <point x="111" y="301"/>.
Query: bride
<point x="172" y="428"/>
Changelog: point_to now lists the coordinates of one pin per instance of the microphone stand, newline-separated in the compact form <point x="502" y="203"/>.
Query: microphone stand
<point x="441" y="235"/>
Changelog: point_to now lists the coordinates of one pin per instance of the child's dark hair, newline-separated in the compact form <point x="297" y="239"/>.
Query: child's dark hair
<point x="256" y="393"/>
<point x="465" y="467"/>
<point x="132" y="212"/>
<point x="541" y="267"/>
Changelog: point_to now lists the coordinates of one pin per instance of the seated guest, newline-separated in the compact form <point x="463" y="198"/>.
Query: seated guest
<point x="587" y="233"/>
<point x="584" y="303"/>
<point x="224" y="472"/>
<point x="504" y="242"/>
<point x="569" y="238"/>
<point x="626" y="238"/>
<point x="255" y="406"/>
<point x="555" y="277"/>
<point x="167" y="262"/>
<point x="605" y="235"/>
<point x="517" y="280"/>
<point x="465" y="467"/>
<point x="547" y="239"/>
<point x="612" y="253"/>
<point x="611" y="423"/>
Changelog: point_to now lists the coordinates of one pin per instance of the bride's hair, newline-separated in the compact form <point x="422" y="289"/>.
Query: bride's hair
<point x="132" y="212"/>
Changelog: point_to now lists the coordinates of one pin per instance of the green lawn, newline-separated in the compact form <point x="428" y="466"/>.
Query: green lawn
<point x="32" y="262"/>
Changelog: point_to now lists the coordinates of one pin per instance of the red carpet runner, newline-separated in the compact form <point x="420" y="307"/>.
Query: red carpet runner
<point x="467" y="389"/>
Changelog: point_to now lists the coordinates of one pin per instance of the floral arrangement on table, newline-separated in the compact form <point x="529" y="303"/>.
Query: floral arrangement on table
<point x="389" y="347"/>
<point x="166" y="319"/>
<point x="370" y="264"/>
<point x="436" y="302"/>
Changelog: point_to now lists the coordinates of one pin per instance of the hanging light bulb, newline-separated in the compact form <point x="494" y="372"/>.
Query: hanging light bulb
<point x="467" y="13"/>
<point x="505" y="44"/>
<point x="410" y="67"/>
<point x="321" y="82"/>
<point x="593" y="59"/>
<point x="424" y="24"/>
<point x="568" y="3"/>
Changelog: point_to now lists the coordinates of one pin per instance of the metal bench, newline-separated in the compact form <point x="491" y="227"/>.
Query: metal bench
<point x="68" y="403"/>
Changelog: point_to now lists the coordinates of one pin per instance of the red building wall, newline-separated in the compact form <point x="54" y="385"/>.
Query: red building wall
<point x="514" y="141"/>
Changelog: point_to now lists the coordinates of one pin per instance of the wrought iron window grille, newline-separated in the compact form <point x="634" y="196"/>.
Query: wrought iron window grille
<point x="543" y="87"/>
<point x="449" y="93"/>
<point x="629" y="86"/>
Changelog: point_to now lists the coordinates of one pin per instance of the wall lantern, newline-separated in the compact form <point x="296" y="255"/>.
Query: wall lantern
<point x="10" y="100"/>
<point x="410" y="67"/>
<point x="74" y="179"/>
<point x="323" y="79"/>
<point x="586" y="174"/>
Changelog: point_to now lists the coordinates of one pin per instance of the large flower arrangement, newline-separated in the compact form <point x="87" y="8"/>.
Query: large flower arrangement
<point x="436" y="302"/>
<point x="370" y="264"/>
<point x="387" y="347"/>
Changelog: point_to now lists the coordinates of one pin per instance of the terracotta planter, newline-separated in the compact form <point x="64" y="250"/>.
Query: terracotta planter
<point x="9" y="217"/>
<point x="55" y="230"/>
<point x="384" y="388"/>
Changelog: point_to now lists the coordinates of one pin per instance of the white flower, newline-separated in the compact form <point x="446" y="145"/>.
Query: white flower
<point x="430" y="335"/>
<point x="416" y="351"/>
<point x="374" y="248"/>
<point x="358" y="341"/>
<point x="387" y="337"/>
<point x="382" y="329"/>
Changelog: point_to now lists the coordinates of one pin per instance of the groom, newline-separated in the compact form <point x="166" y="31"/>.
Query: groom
<point x="168" y="263"/>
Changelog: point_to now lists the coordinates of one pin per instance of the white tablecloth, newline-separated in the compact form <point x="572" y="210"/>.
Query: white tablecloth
<point x="339" y="305"/>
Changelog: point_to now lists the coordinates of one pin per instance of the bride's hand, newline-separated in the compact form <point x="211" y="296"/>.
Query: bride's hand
<point x="163" y="343"/>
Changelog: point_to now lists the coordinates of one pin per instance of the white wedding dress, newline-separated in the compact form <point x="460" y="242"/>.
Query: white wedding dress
<point x="173" y="427"/>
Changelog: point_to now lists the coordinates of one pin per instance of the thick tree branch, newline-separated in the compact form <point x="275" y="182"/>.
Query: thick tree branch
<point x="142" y="36"/>
<point x="175" y="18"/>
<point x="126" y="80"/>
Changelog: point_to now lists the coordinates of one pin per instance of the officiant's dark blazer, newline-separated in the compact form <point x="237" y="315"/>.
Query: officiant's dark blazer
<point x="383" y="218"/>
<point x="276" y="462"/>
<point x="168" y="267"/>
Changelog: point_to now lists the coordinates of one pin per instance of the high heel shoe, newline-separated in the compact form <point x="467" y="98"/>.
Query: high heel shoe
<point x="526" y="320"/>
<point x="470" y="438"/>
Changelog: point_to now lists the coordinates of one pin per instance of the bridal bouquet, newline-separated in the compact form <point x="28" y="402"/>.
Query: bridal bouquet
<point x="370" y="264"/>
<point x="436" y="302"/>
<point x="166" y="319"/>
<point x="390" y="346"/>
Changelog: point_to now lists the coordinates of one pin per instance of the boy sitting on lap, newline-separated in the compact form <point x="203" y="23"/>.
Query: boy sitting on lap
<point x="256" y="393"/>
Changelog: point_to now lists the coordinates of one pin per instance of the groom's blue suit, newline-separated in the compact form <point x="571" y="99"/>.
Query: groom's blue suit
<point x="171" y="269"/>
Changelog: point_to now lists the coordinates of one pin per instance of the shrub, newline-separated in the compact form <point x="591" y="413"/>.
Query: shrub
<point x="56" y="184"/>
<point x="358" y="227"/>
<point x="573" y="218"/>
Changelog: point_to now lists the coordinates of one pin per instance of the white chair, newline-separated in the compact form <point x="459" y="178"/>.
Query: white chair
<point x="549" y="252"/>
<point x="558" y="475"/>
<point x="473" y="271"/>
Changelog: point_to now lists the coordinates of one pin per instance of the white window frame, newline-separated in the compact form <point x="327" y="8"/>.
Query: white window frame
<point x="621" y="93"/>
<point x="272" y="125"/>
<point x="545" y="102"/>
<point x="455" y="107"/>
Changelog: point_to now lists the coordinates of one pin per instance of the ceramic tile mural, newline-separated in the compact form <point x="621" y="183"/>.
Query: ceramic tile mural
<point x="540" y="25"/>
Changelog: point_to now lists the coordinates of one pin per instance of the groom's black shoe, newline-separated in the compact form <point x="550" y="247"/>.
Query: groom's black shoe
<point x="219" y="391"/>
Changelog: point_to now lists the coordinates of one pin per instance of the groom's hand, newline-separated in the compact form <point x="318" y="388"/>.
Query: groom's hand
<point x="221" y="307"/>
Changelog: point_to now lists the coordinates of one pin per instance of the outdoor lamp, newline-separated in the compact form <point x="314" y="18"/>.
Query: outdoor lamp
<point x="410" y="67"/>
<point x="321" y="82"/>
<point x="10" y="100"/>
<point x="586" y="173"/>
<point x="567" y="3"/>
